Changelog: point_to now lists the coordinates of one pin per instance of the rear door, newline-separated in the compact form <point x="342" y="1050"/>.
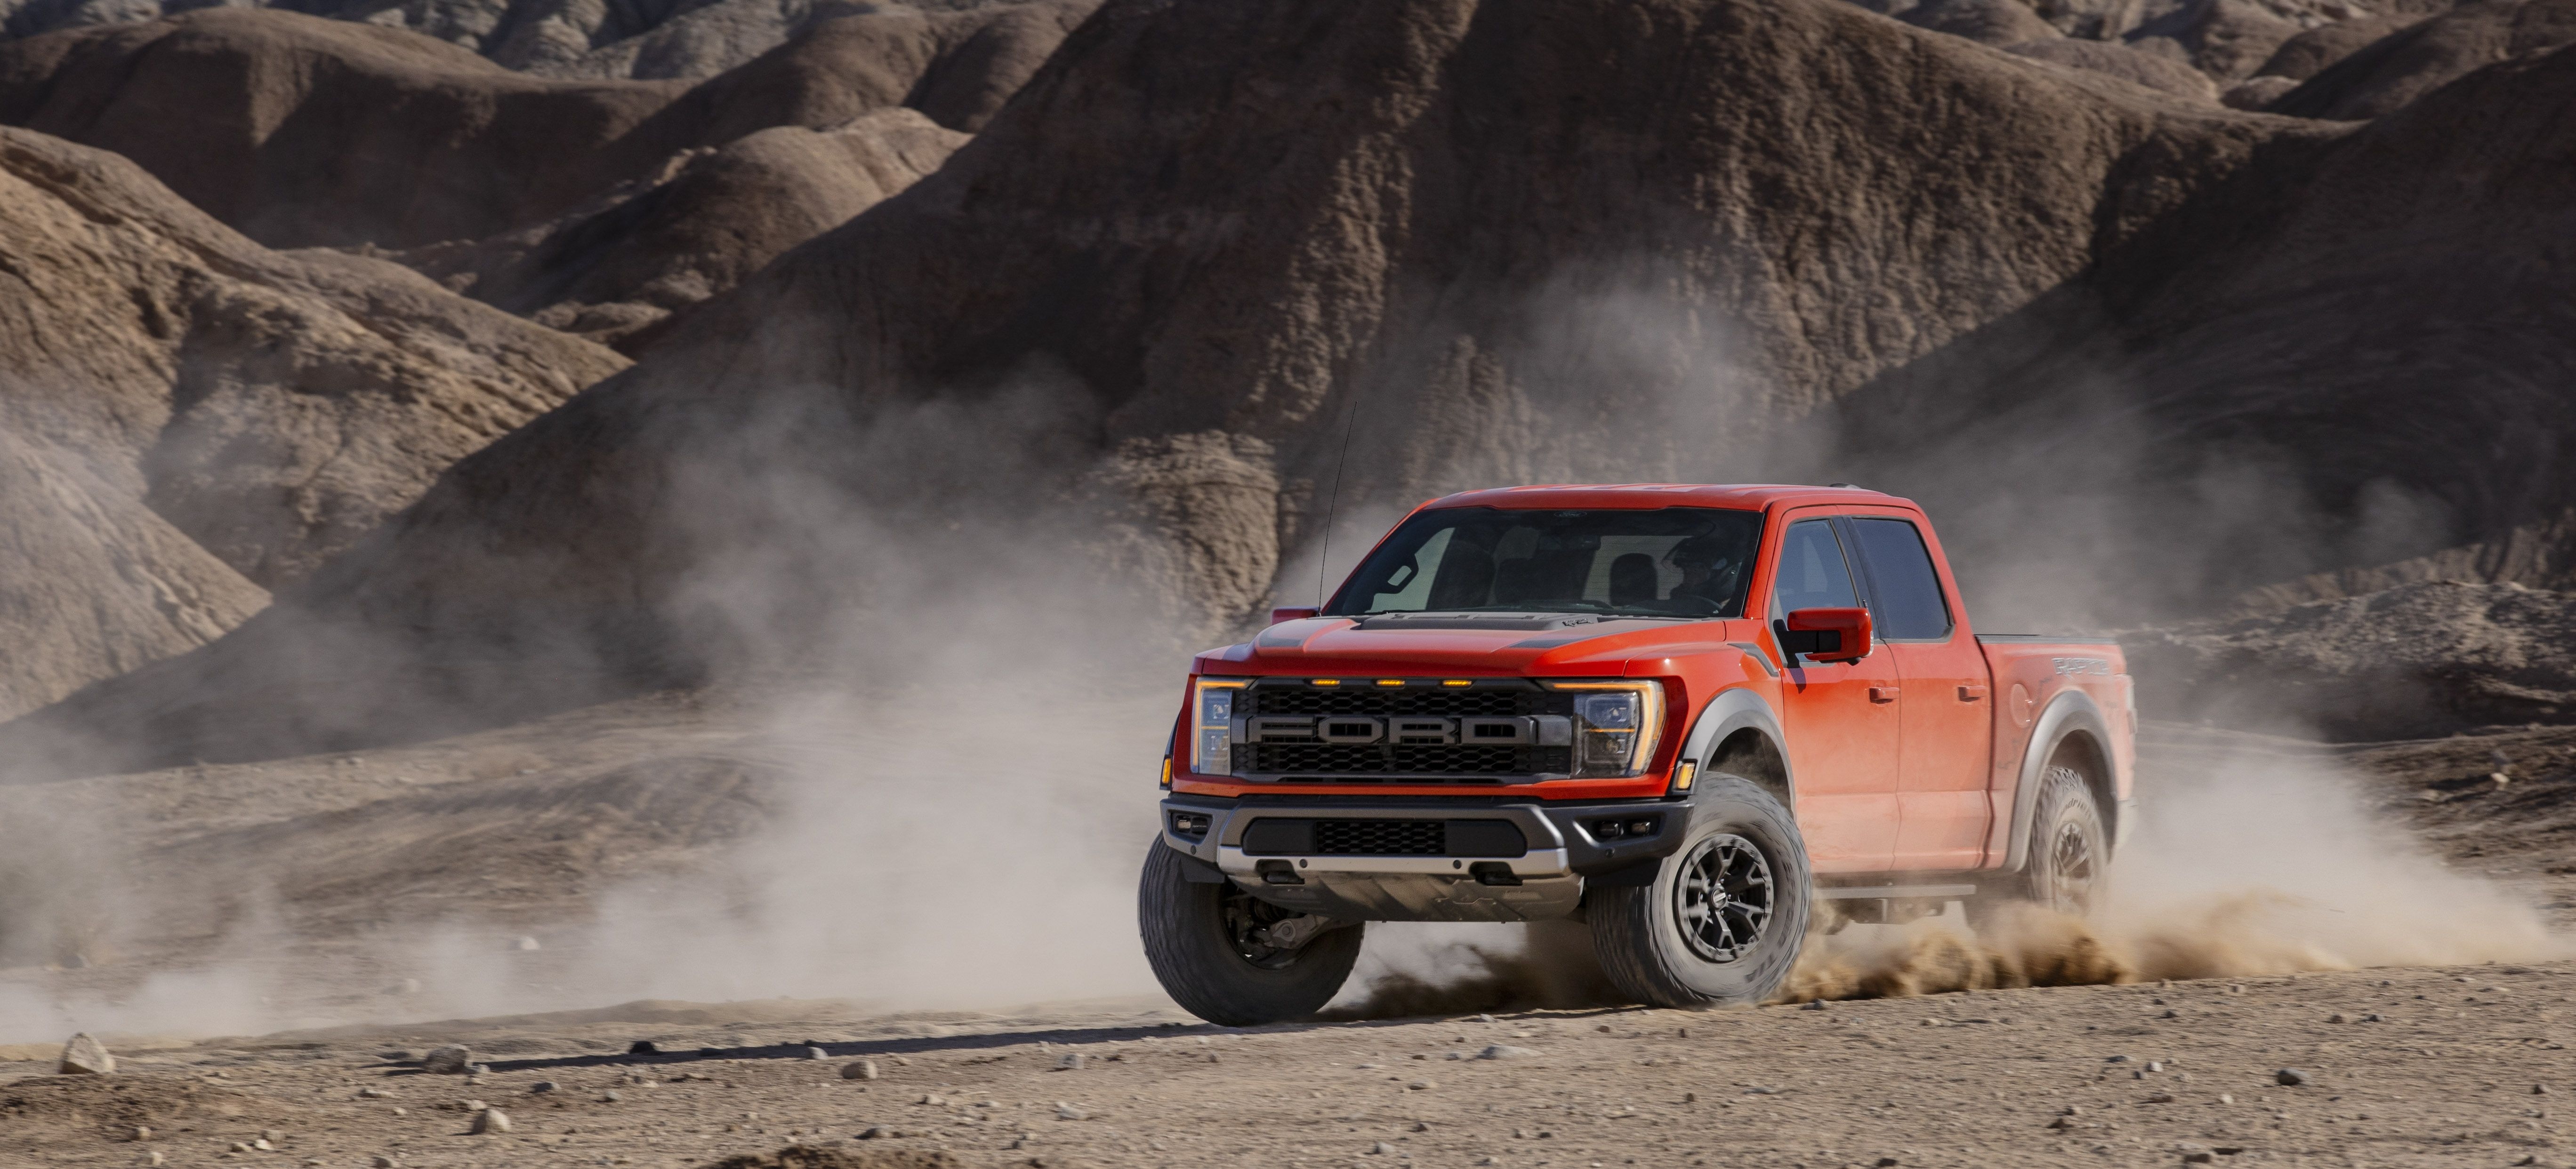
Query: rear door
<point x="1946" y="709"/>
<point x="1841" y="717"/>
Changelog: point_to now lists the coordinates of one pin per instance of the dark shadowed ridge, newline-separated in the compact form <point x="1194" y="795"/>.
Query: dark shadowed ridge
<point x="300" y="131"/>
<point x="1529" y="242"/>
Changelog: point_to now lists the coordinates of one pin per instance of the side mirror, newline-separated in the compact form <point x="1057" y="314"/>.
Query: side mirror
<point x="1826" y="635"/>
<point x="1279" y="615"/>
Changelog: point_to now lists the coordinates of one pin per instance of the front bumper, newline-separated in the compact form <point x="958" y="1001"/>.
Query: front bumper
<point x="1534" y="871"/>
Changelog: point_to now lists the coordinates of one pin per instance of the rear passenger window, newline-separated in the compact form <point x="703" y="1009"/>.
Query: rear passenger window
<point x="1905" y="591"/>
<point x="1812" y="573"/>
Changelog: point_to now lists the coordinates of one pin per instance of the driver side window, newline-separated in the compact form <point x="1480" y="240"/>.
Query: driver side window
<point x="1812" y="572"/>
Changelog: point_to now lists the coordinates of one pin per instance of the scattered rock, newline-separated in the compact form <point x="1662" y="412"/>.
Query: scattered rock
<point x="817" y="1053"/>
<point x="263" y="1145"/>
<point x="1381" y="1148"/>
<point x="2292" y="1078"/>
<point x="86" y="1056"/>
<point x="525" y="943"/>
<point x="447" y="1061"/>
<point x="2540" y="1089"/>
<point x="643" y="1047"/>
<point x="934" y="1099"/>
<point x="371" y="1093"/>
<point x="490" y="1120"/>
<point x="2155" y="1065"/>
<point x="1506" y="1051"/>
<point x="2160" y="1098"/>
<point x="2116" y="1059"/>
<point x="1419" y="1126"/>
<point x="152" y="1157"/>
<point x="610" y="1096"/>
<point x="143" y="1132"/>
<point x="542" y="1087"/>
<point x="1071" y="1062"/>
<point x="1064" y="1111"/>
<point x="1420" y="1086"/>
<point x="875" y="1132"/>
<point x="1814" y="1005"/>
<point x="865" y="1069"/>
<point x="384" y="1163"/>
<point x="2198" y="1157"/>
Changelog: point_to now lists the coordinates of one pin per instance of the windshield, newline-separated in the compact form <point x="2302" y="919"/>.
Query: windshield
<point x="1670" y="562"/>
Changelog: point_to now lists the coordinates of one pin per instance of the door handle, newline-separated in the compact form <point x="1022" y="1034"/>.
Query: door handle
<point x="1971" y="693"/>
<point x="1882" y="693"/>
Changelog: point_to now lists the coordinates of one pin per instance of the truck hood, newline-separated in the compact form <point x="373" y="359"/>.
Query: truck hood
<point x="1471" y="645"/>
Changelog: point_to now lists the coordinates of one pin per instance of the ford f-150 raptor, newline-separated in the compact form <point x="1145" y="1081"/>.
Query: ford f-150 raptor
<point x="1678" y="714"/>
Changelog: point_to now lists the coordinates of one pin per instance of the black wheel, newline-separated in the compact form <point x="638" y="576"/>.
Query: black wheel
<point x="1723" y="921"/>
<point x="2070" y="856"/>
<point x="1210" y="945"/>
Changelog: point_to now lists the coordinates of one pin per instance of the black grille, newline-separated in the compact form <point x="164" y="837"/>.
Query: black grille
<point x="1382" y="758"/>
<point x="1381" y="837"/>
<point x="1415" y="697"/>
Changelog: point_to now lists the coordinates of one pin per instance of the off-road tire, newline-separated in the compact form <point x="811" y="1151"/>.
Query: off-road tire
<point x="1644" y="934"/>
<point x="2069" y="857"/>
<point x="1193" y="950"/>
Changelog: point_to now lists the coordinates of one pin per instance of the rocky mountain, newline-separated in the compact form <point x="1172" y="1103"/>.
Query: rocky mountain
<point x="187" y="419"/>
<point x="1521" y="243"/>
<point x="598" y="206"/>
<point x="615" y="269"/>
<point x="2407" y="64"/>
<point x="2411" y="662"/>
<point x="672" y="39"/>
<point x="2142" y="352"/>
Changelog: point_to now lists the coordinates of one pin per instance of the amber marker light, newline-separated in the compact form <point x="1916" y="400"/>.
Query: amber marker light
<point x="1684" y="774"/>
<point x="1328" y="681"/>
<point x="1167" y="773"/>
<point x="1390" y="681"/>
<point x="1458" y="682"/>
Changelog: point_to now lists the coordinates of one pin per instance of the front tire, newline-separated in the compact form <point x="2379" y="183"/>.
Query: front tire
<point x="1726" y="915"/>
<point x="1202" y="941"/>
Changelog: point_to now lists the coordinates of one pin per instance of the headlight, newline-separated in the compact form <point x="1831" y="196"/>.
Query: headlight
<point x="1212" y="724"/>
<point x="1616" y="726"/>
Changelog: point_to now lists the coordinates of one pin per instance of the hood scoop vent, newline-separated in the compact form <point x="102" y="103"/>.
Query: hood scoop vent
<point x="1518" y="622"/>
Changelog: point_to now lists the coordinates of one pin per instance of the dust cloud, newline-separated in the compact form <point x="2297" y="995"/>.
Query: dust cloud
<point x="2255" y="865"/>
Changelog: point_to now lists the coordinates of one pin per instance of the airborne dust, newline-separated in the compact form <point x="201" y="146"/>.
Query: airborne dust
<point x="960" y="753"/>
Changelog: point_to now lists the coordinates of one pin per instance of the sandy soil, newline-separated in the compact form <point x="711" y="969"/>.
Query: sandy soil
<point x="2445" y="1074"/>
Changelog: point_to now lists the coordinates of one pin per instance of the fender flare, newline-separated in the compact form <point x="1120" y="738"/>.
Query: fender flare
<point x="1733" y="710"/>
<point x="2071" y="712"/>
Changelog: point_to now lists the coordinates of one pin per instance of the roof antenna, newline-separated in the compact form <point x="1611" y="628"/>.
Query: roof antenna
<point x="1324" y="559"/>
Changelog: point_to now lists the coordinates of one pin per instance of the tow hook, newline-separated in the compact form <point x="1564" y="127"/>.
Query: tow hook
<point x="1493" y="873"/>
<point x="1295" y="932"/>
<point x="1278" y="873"/>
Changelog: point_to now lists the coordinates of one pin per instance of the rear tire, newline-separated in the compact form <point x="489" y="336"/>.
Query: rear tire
<point x="2070" y="856"/>
<point x="1197" y="938"/>
<point x="1727" y="913"/>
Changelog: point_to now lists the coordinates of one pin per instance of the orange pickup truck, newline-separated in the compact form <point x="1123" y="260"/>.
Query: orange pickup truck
<point x="1679" y="714"/>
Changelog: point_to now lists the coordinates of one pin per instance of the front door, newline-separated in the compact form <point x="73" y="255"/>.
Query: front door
<point x="1842" y="716"/>
<point x="1946" y="711"/>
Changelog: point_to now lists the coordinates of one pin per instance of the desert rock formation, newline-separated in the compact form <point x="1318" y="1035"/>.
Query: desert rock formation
<point x="567" y="39"/>
<point x="300" y="131"/>
<point x="2405" y="65"/>
<point x="2412" y="662"/>
<point x="1448" y="214"/>
<point x="184" y="413"/>
<point x="615" y="269"/>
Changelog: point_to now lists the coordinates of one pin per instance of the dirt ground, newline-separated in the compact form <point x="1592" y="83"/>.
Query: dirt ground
<point x="2405" y="1066"/>
<point x="2429" y="1067"/>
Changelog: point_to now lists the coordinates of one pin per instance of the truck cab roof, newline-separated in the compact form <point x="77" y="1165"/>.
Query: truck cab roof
<point x="1643" y="496"/>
